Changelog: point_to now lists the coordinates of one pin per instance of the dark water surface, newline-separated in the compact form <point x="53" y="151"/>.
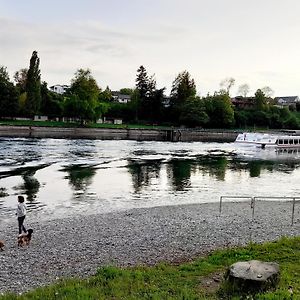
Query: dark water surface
<point x="63" y="177"/>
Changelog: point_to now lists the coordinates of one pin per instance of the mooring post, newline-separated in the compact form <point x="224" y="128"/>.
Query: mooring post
<point x="220" y="209"/>
<point x="293" y="211"/>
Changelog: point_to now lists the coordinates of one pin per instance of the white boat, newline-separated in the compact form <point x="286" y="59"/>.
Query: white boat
<point x="254" y="138"/>
<point x="265" y="140"/>
<point x="281" y="142"/>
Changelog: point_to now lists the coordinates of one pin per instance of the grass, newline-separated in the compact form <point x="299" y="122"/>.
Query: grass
<point x="182" y="281"/>
<point x="75" y="125"/>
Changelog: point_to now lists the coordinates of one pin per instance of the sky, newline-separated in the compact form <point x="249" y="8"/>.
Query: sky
<point x="253" y="41"/>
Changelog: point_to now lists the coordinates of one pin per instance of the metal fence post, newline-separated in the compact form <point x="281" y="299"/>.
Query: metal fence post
<point x="293" y="211"/>
<point x="220" y="209"/>
<point x="253" y="206"/>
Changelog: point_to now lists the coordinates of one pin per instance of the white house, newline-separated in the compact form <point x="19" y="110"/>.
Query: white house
<point x="59" y="89"/>
<point x="121" y="98"/>
<point x="287" y="101"/>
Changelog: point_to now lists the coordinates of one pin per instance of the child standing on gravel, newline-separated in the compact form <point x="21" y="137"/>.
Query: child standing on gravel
<point x="21" y="214"/>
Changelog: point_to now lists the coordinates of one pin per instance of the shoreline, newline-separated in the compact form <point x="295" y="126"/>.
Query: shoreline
<point x="171" y="135"/>
<point x="77" y="246"/>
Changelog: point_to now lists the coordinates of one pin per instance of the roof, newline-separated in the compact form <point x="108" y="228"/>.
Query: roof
<point x="287" y="99"/>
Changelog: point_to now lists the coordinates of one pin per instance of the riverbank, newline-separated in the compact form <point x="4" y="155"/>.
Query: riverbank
<point x="77" y="246"/>
<point x="139" y="134"/>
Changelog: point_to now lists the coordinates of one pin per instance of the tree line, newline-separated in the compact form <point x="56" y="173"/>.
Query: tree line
<point x="86" y="102"/>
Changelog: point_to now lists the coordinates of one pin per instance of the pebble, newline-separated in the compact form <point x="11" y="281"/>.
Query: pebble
<point x="79" y="245"/>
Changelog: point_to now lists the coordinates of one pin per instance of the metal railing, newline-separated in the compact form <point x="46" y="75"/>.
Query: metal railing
<point x="253" y="200"/>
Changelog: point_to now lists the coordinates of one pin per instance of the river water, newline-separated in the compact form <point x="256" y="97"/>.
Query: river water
<point x="61" y="177"/>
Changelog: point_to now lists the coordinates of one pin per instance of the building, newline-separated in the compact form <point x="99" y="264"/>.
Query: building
<point x="243" y="102"/>
<point x="287" y="101"/>
<point x="59" y="89"/>
<point x="121" y="98"/>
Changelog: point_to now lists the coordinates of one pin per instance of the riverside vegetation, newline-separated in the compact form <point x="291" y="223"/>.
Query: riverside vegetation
<point x="200" y="279"/>
<point x="86" y="102"/>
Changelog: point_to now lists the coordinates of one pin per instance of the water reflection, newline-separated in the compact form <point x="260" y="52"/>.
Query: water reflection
<point x="214" y="165"/>
<point x="80" y="176"/>
<point x="179" y="173"/>
<point x="142" y="172"/>
<point x="31" y="185"/>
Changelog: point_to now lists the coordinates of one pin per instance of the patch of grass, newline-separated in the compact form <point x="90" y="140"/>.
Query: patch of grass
<point x="76" y="125"/>
<point x="183" y="281"/>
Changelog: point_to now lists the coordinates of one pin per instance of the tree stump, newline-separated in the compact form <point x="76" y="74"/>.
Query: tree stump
<point x="251" y="277"/>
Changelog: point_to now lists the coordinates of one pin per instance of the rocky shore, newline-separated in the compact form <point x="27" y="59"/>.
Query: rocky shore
<point x="78" y="245"/>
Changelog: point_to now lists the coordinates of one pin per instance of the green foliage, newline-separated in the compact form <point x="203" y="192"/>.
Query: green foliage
<point x="105" y="96"/>
<point x="33" y="86"/>
<point x="193" y="113"/>
<point x="291" y="123"/>
<point x="8" y="95"/>
<point x="183" y="88"/>
<point x="148" y="100"/>
<point x="127" y="91"/>
<point x="20" y="78"/>
<point x="260" y="100"/>
<point x="83" y="102"/>
<point x="219" y="110"/>
<point x="52" y="103"/>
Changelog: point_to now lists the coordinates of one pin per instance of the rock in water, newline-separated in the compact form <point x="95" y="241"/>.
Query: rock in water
<point x="253" y="276"/>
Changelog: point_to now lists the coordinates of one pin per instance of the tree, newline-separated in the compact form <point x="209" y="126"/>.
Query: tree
<point x="127" y="91"/>
<point x="142" y="82"/>
<point x="52" y="103"/>
<point x="105" y="96"/>
<point x="227" y="84"/>
<point x="20" y="78"/>
<point x="146" y="97"/>
<point x="268" y="92"/>
<point x="4" y="77"/>
<point x="260" y="100"/>
<point x="243" y="90"/>
<point x="193" y="113"/>
<point x="8" y="95"/>
<point x="219" y="110"/>
<point x="183" y="88"/>
<point x="33" y="86"/>
<point x="84" y="100"/>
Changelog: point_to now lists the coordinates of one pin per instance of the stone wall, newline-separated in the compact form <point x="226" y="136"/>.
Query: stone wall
<point x="174" y="135"/>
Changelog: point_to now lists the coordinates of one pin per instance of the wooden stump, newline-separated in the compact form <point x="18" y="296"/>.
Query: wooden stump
<point x="251" y="277"/>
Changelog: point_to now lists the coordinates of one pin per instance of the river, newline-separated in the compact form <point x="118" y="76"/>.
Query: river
<point x="63" y="177"/>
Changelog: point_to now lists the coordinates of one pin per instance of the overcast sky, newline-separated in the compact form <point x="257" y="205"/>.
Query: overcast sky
<point x="254" y="41"/>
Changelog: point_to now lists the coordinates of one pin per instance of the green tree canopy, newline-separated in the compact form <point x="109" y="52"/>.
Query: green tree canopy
<point x="193" y="113"/>
<point x="33" y="86"/>
<point x="183" y="88"/>
<point x="20" y="78"/>
<point x="127" y="91"/>
<point x="84" y="100"/>
<point x="220" y="110"/>
<point x="52" y="103"/>
<point x="8" y="95"/>
<point x="260" y="100"/>
<point x="105" y="96"/>
<point x="146" y="97"/>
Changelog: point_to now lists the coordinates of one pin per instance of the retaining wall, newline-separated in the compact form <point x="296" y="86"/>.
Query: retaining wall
<point x="174" y="135"/>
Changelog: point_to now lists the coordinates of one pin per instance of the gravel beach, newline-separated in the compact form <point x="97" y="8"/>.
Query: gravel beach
<point x="77" y="246"/>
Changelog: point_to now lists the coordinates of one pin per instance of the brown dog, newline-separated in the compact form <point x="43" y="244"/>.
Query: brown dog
<point x="24" y="239"/>
<point x="1" y="245"/>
